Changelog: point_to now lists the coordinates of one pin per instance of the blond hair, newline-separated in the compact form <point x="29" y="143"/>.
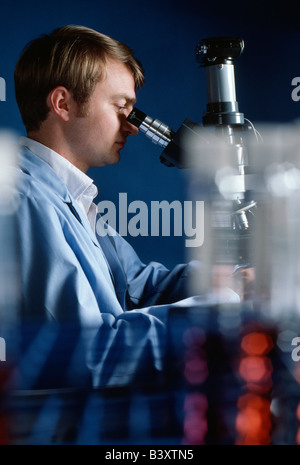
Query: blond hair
<point x="71" y="56"/>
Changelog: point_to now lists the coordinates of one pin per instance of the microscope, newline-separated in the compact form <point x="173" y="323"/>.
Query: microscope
<point x="251" y="191"/>
<point x="223" y="122"/>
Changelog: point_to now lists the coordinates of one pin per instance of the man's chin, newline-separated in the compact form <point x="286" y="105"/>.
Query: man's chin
<point x="116" y="159"/>
<point x="113" y="159"/>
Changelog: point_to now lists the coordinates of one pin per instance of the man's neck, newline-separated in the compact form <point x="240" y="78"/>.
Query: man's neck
<point x="58" y="145"/>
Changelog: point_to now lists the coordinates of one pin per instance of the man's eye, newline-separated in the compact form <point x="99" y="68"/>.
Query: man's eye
<point x="121" y="107"/>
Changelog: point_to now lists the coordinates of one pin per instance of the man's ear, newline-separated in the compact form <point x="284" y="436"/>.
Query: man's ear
<point x="59" y="100"/>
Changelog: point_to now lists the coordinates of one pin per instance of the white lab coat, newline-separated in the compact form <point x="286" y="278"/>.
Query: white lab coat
<point x="96" y="287"/>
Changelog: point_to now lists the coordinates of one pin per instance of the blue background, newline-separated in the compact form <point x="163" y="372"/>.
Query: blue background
<point x="164" y="35"/>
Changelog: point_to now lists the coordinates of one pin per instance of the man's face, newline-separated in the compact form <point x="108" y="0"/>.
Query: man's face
<point x="97" y="138"/>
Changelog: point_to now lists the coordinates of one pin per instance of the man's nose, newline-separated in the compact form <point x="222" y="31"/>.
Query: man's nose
<point x="130" y="129"/>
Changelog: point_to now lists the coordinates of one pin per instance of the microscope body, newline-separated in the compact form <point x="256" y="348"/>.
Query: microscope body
<point x="222" y="121"/>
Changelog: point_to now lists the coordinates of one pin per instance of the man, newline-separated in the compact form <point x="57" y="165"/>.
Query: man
<point x="75" y="89"/>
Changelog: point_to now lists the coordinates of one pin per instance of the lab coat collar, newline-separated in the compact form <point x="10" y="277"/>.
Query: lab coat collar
<point x="44" y="174"/>
<point x="78" y="183"/>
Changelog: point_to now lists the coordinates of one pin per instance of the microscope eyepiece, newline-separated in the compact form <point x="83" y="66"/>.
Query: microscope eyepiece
<point x="158" y="132"/>
<point x="136" y="117"/>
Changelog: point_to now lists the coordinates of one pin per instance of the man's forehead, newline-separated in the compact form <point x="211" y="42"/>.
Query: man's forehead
<point x="119" y="78"/>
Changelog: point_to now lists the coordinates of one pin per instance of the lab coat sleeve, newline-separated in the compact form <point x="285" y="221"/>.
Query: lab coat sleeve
<point x="153" y="284"/>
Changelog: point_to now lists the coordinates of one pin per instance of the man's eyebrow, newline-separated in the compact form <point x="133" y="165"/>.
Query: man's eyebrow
<point x="130" y="100"/>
